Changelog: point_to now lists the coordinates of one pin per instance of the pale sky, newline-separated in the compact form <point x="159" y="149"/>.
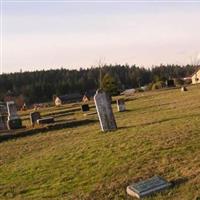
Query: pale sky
<point x="43" y="35"/>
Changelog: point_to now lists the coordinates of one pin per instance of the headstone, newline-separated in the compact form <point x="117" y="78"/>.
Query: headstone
<point x="147" y="187"/>
<point x="45" y="120"/>
<point x="170" y="83"/>
<point x="2" y="124"/>
<point x="34" y="116"/>
<point x="104" y="111"/>
<point x="85" y="107"/>
<point x="12" y="110"/>
<point x="183" y="89"/>
<point x="14" y="120"/>
<point x="121" y="105"/>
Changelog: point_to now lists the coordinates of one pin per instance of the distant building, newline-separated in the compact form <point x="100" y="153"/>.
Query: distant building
<point x="58" y="101"/>
<point x="85" y="98"/>
<point x="68" y="98"/>
<point x="196" y="77"/>
<point x="128" y="92"/>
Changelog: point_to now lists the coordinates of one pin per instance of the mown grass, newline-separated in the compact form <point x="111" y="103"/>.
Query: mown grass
<point x="159" y="134"/>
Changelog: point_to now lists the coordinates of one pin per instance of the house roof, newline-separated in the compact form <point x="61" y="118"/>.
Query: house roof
<point x="69" y="97"/>
<point x="198" y="69"/>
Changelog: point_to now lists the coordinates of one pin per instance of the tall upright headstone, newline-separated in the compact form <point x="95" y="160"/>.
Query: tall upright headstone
<point x="121" y="105"/>
<point x="14" y="120"/>
<point x="104" y="111"/>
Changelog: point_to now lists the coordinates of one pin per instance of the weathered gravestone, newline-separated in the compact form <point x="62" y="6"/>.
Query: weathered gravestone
<point x="85" y="107"/>
<point x="104" y="111"/>
<point x="147" y="187"/>
<point x="121" y="105"/>
<point x="14" y="120"/>
<point x="34" y="116"/>
<point x="2" y="124"/>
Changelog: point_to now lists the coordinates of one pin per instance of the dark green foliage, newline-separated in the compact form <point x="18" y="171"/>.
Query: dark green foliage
<point x="40" y="86"/>
<point x="110" y="85"/>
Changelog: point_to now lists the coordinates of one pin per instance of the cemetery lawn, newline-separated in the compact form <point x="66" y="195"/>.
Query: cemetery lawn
<point x="159" y="134"/>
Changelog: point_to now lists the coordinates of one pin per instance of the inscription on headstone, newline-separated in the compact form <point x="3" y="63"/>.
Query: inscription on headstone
<point x="14" y="120"/>
<point x="147" y="187"/>
<point x="85" y="107"/>
<point x="104" y="111"/>
<point x="121" y="105"/>
<point x="34" y="116"/>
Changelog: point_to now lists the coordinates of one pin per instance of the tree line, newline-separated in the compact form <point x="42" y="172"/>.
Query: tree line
<point x="40" y="86"/>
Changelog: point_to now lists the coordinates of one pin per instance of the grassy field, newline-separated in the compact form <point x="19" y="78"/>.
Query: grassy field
<point x="159" y="134"/>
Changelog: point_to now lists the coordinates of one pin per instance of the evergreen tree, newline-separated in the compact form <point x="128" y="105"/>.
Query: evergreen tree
<point x="109" y="84"/>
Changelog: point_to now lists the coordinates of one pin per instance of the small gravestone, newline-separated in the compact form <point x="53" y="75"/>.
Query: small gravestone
<point x="14" y="120"/>
<point x="183" y="89"/>
<point x="2" y="124"/>
<point x="34" y="116"/>
<point x="121" y="105"/>
<point x="147" y="187"/>
<point x="85" y="107"/>
<point x="170" y="83"/>
<point x="104" y="111"/>
<point x="45" y="120"/>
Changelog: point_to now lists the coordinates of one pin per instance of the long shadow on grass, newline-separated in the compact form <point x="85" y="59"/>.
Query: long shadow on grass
<point x="152" y="106"/>
<point x="160" y="121"/>
<point x="50" y="127"/>
<point x="179" y="181"/>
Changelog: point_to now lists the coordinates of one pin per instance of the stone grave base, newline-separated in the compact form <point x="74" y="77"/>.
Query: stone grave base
<point x="45" y="120"/>
<point x="14" y="123"/>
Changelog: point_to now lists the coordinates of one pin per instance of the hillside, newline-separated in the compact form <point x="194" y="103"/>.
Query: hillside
<point x="157" y="135"/>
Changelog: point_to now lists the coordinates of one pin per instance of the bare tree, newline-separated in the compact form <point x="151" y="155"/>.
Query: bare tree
<point x="195" y="60"/>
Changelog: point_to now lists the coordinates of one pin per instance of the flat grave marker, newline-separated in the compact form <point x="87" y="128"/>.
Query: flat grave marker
<point x="45" y="120"/>
<point x="147" y="187"/>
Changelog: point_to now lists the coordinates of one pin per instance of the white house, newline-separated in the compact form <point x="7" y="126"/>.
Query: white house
<point x="196" y="77"/>
<point x="58" y="101"/>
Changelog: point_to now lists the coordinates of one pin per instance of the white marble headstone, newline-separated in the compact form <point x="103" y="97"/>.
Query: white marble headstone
<point x="104" y="111"/>
<point x="12" y="110"/>
<point x="121" y="105"/>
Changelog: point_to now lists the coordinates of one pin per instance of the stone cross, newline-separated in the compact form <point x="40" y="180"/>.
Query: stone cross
<point x="121" y="105"/>
<point x="104" y="111"/>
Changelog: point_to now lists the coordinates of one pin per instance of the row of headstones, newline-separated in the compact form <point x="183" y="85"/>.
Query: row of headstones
<point x="103" y="107"/>
<point x="13" y="121"/>
<point x="120" y="106"/>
